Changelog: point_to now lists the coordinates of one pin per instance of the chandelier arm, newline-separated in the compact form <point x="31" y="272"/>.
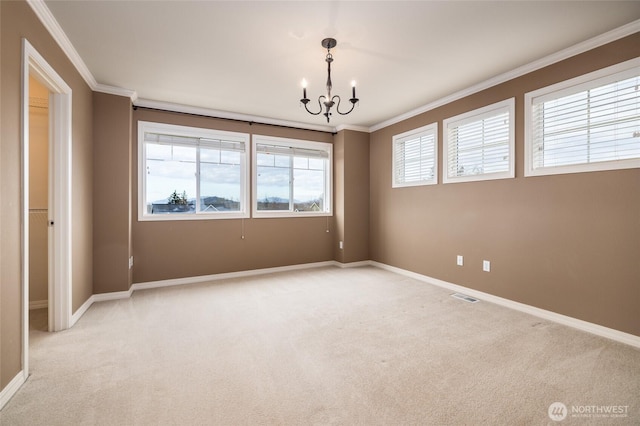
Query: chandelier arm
<point x="353" y="104"/>
<point x="311" y="112"/>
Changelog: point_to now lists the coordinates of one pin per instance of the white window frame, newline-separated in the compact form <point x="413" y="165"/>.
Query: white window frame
<point x="575" y="85"/>
<point x="508" y="105"/>
<point x="193" y="132"/>
<point x="291" y="143"/>
<point x="430" y="129"/>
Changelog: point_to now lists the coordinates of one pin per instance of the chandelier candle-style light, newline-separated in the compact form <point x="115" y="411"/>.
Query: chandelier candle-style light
<point x="327" y="100"/>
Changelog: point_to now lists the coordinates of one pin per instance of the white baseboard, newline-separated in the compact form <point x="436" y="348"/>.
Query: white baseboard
<point x="38" y="304"/>
<point x="352" y="264"/>
<point x="598" y="330"/>
<point x="228" y="275"/>
<point x="81" y="310"/>
<point x="100" y="297"/>
<point x="103" y="297"/>
<point x="12" y="387"/>
<point x="115" y="295"/>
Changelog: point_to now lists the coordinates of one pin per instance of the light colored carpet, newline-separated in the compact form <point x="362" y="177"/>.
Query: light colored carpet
<point x="320" y="346"/>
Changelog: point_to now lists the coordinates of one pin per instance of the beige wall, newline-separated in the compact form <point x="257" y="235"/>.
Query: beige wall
<point x="82" y="193"/>
<point x="38" y="145"/>
<point x="17" y="21"/>
<point x="338" y="195"/>
<point x="176" y="249"/>
<point x="112" y="193"/>
<point x="38" y="191"/>
<point x="356" y="196"/>
<point x="566" y="243"/>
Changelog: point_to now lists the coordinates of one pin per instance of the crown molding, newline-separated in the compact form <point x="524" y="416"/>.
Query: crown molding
<point x="50" y="23"/>
<point x="351" y="127"/>
<point x="592" y="43"/>
<point x="113" y="90"/>
<point x="207" y="112"/>
<point x="57" y="33"/>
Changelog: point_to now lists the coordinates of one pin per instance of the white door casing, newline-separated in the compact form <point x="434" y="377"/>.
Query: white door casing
<point x="59" y="194"/>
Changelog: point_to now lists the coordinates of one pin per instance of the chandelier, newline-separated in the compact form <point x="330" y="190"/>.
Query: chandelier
<point x="327" y="101"/>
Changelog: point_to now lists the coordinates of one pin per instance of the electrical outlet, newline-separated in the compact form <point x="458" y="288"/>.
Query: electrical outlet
<point x="460" y="260"/>
<point x="341" y="245"/>
<point x="131" y="262"/>
<point x="486" y="266"/>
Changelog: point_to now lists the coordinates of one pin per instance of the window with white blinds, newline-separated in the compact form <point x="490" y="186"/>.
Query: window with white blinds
<point x="479" y="145"/>
<point x="291" y="177"/>
<point x="585" y="124"/>
<point x="191" y="173"/>
<point x="415" y="157"/>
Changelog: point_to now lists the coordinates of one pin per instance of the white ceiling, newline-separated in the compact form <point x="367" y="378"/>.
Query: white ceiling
<point x="249" y="57"/>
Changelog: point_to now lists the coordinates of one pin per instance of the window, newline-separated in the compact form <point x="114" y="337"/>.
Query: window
<point x="191" y="173"/>
<point x="291" y="177"/>
<point x="415" y="157"/>
<point x="479" y="145"/>
<point x="585" y="124"/>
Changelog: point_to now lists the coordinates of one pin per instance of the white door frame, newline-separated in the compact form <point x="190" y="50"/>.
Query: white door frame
<point x="59" y="215"/>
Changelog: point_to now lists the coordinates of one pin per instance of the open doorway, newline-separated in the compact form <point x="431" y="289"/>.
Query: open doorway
<point x="58" y="204"/>
<point x="38" y="205"/>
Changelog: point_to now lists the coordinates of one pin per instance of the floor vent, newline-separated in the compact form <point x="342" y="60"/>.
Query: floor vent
<point x="465" y="297"/>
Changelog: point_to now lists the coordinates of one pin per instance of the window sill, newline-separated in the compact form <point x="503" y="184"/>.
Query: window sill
<point x="202" y="216"/>
<point x="288" y="214"/>
<point x="411" y="184"/>
<point x="583" y="168"/>
<point x="478" y="178"/>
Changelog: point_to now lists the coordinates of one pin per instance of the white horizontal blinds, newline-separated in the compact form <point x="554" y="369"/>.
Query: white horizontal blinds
<point x="415" y="158"/>
<point x="291" y="151"/>
<point x="594" y="125"/>
<point x="166" y="147"/>
<point x="479" y="144"/>
<point x="222" y="144"/>
<point x="159" y="138"/>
